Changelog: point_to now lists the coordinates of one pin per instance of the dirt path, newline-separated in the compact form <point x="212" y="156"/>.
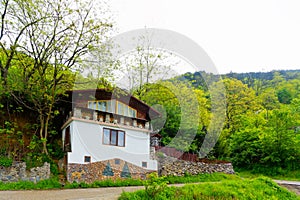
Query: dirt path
<point x="291" y="185"/>
<point x="68" y="194"/>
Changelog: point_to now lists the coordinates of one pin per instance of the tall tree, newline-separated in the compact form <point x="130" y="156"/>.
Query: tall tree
<point x="237" y="101"/>
<point x="57" y="35"/>
<point x="146" y="64"/>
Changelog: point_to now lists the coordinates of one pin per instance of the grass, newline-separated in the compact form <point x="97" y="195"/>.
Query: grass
<point x="260" y="188"/>
<point x="211" y="186"/>
<point x="283" y="175"/>
<point x="53" y="183"/>
<point x="214" y="177"/>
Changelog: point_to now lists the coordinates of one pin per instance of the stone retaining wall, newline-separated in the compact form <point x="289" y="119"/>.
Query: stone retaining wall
<point x="174" y="167"/>
<point x="108" y="169"/>
<point x="17" y="172"/>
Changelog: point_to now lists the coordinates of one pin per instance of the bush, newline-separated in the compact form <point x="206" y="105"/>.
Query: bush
<point x="154" y="185"/>
<point x="5" y="161"/>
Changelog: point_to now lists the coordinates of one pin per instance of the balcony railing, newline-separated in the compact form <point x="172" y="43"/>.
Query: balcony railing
<point x="112" y="118"/>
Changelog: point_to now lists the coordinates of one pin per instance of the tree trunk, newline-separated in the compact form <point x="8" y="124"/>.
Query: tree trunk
<point x="43" y="139"/>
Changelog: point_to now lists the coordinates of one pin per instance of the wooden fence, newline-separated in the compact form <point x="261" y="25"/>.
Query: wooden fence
<point x="169" y="151"/>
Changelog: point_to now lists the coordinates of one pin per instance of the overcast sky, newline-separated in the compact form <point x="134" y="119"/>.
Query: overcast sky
<point x="238" y="35"/>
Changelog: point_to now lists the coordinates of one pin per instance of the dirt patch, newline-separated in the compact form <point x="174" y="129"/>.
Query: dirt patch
<point x="293" y="188"/>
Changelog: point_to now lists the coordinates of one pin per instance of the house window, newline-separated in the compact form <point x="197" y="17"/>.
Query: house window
<point x="125" y="110"/>
<point x="144" y="164"/>
<point x="87" y="159"/>
<point x="113" y="106"/>
<point x="117" y="161"/>
<point x="113" y="137"/>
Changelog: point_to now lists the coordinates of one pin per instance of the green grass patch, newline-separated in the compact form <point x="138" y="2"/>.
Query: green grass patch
<point x="280" y="175"/>
<point x="259" y="188"/>
<point x="106" y="183"/>
<point x="52" y="183"/>
<point x="201" y="178"/>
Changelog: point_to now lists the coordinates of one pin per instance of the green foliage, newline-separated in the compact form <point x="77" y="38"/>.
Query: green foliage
<point x="154" y="185"/>
<point x="106" y="183"/>
<point x="51" y="183"/>
<point x="259" y="188"/>
<point x="174" y="100"/>
<point x="266" y="141"/>
<point x="284" y="96"/>
<point x="285" y="174"/>
<point x="38" y="160"/>
<point x="5" y="162"/>
<point x="201" y="178"/>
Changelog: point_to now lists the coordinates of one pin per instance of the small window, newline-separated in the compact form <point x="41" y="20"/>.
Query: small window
<point x="144" y="164"/>
<point x="117" y="161"/>
<point x="87" y="159"/>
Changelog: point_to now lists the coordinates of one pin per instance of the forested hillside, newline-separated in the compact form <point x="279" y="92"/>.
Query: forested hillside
<point x="262" y="121"/>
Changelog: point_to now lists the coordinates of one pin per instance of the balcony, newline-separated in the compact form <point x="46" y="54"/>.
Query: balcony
<point x="106" y="118"/>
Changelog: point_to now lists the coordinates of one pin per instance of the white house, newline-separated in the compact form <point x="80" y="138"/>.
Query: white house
<point x="107" y="136"/>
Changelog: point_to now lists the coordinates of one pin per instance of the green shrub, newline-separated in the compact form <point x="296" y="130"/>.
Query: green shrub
<point x="154" y="185"/>
<point x="5" y="161"/>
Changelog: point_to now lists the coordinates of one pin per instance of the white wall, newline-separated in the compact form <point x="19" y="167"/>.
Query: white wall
<point x="86" y="139"/>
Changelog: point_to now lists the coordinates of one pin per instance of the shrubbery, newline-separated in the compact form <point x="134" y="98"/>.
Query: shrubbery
<point x="5" y="161"/>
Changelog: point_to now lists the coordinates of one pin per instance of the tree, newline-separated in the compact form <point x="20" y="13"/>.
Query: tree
<point x="284" y="96"/>
<point x="246" y="148"/>
<point x="238" y="100"/>
<point x="11" y="32"/>
<point x="185" y="113"/>
<point x="269" y="100"/>
<point x="57" y="35"/>
<point x="146" y="64"/>
<point x="280" y="141"/>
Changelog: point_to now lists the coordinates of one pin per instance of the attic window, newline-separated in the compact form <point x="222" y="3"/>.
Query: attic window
<point x="113" y="106"/>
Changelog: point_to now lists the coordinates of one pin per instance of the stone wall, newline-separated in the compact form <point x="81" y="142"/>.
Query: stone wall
<point x="18" y="172"/>
<point x="102" y="170"/>
<point x="174" y="167"/>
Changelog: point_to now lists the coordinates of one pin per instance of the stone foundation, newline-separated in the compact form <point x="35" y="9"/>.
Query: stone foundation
<point x="102" y="170"/>
<point x="17" y="172"/>
<point x="169" y="166"/>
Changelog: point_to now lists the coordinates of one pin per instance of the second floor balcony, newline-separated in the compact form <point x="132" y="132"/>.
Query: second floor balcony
<point x="108" y="118"/>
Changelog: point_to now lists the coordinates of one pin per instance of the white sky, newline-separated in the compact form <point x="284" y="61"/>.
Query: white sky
<point x="238" y="35"/>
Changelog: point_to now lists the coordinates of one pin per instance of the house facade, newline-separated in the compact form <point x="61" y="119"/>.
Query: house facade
<point x="107" y="135"/>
